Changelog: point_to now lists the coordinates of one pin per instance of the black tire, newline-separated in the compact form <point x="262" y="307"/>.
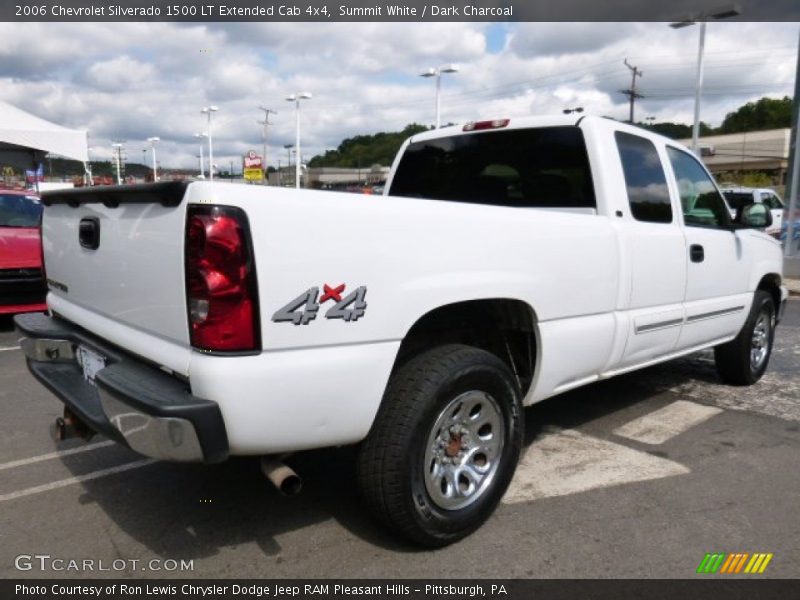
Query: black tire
<point x="392" y="461"/>
<point x="735" y="361"/>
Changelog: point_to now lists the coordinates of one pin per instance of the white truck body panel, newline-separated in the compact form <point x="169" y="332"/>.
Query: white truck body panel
<point x="134" y="278"/>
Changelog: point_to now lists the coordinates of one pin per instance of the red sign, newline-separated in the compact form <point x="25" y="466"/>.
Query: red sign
<point x="252" y="160"/>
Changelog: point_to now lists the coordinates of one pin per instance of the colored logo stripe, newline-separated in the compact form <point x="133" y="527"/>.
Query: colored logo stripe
<point x="734" y="563"/>
<point x="721" y="562"/>
<point x="711" y="563"/>
<point x="758" y="563"/>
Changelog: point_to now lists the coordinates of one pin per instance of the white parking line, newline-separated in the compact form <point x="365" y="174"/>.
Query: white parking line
<point x="79" y="479"/>
<point x="51" y="455"/>
<point x="6" y="349"/>
<point x="665" y="423"/>
<point x="568" y="462"/>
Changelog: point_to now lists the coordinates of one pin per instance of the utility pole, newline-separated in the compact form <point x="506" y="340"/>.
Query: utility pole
<point x="266" y="124"/>
<point x="631" y="93"/>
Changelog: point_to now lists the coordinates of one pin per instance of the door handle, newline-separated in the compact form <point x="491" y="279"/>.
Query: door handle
<point x="696" y="253"/>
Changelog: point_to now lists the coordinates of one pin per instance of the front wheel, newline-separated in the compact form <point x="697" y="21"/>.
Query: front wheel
<point x="444" y="444"/>
<point x="743" y="360"/>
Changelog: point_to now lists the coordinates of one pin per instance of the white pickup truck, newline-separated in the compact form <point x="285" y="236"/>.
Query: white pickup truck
<point x="509" y="261"/>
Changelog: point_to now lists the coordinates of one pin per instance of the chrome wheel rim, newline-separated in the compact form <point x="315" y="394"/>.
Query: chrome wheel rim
<point x="759" y="342"/>
<point x="463" y="450"/>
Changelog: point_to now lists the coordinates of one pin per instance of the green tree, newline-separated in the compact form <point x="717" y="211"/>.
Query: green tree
<point x="366" y="150"/>
<point x="766" y="113"/>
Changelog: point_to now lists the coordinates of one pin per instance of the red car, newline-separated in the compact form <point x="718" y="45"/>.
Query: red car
<point x="22" y="287"/>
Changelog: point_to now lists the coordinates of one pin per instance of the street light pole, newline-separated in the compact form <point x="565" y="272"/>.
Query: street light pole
<point x="200" y="136"/>
<point x="723" y="12"/>
<point x="437" y="73"/>
<point x="153" y="141"/>
<point x="117" y="151"/>
<point x="296" y="99"/>
<point x="266" y="123"/>
<point x="698" y="86"/>
<point x="209" y="110"/>
<point x="793" y="183"/>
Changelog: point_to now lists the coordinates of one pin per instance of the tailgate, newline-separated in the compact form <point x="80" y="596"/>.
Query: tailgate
<point x="114" y="256"/>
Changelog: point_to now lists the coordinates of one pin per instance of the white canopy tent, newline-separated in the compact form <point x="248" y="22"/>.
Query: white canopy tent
<point x="25" y="138"/>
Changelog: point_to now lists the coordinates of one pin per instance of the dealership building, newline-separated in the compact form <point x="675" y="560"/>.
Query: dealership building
<point x="765" y="151"/>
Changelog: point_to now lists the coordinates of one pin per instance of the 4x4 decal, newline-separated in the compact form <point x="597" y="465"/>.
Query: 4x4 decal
<point x="303" y="309"/>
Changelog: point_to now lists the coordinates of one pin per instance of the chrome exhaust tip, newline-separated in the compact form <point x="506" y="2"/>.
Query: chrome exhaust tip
<point x="281" y="475"/>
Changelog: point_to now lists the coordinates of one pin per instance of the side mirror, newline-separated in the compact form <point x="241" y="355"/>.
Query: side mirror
<point x="754" y="216"/>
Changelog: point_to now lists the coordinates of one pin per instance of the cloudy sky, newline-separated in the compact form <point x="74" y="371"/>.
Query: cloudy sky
<point x="130" y="81"/>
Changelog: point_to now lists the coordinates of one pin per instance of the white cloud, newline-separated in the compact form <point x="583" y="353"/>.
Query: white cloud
<point x="121" y="74"/>
<point x="135" y="80"/>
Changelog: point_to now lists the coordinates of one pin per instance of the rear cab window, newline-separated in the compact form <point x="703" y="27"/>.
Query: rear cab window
<point x="544" y="167"/>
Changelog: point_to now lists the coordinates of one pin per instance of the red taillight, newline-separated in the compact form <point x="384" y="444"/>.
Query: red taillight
<point x="221" y="292"/>
<point x="480" y="125"/>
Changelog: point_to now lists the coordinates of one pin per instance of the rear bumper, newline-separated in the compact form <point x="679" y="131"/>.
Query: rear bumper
<point x="130" y="401"/>
<point x="22" y="290"/>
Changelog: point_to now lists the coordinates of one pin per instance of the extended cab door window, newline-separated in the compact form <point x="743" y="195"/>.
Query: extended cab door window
<point x="702" y="204"/>
<point x="645" y="181"/>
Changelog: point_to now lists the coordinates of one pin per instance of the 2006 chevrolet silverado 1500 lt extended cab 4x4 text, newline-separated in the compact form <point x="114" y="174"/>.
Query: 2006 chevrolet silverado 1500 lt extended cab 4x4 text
<point x="509" y="261"/>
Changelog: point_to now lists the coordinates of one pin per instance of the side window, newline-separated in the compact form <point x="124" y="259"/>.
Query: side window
<point x="701" y="203"/>
<point x="771" y="200"/>
<point x="645" y="181"/>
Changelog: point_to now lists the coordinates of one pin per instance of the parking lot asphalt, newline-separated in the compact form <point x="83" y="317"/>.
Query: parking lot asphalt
<point x="637" y="476"/>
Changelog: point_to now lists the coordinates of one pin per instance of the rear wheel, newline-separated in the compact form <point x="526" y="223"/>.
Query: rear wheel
<point x="444" y="444"/>
<point x="743" y="360"/>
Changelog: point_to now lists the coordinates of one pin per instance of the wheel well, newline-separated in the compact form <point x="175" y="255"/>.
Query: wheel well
<point x="504" y="327"/>
<point x="771" y="284"/>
